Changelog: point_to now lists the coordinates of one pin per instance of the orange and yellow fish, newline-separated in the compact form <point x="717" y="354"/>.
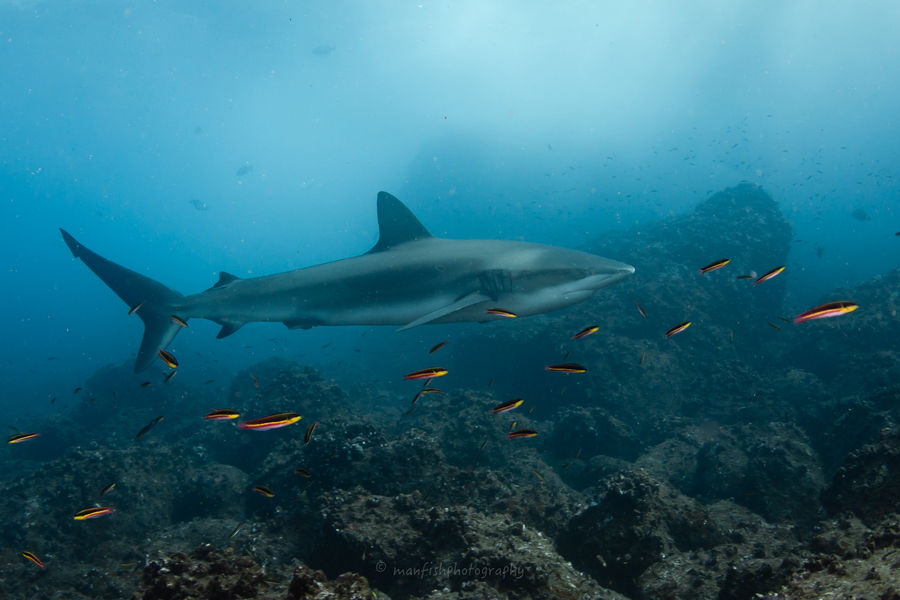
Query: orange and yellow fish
<point x="178" y="320"/>
<point x="567" y="368"/>
<point x="221" y="414"/>
<point x="18" y="438"/>
<point x="678" y="329"/>
<point x="586" y="332"/>
<point x="501" y="312"/>
<point x="714" y="265"/>
<point x="168" y="359"/>
<point x="270" y="422"/>
<point x="427" y="373"/>
<point x="93" y="512"/>
<point x="33" y="558"/>
<point x="767" y="276"/>
<point x="825" y="311"/>
<point x="507" y="406"/>
<point x="521" y="433"/>
<point x="261" y="489"/>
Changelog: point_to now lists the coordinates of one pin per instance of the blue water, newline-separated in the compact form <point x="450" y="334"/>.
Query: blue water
<point x="184" y="139"/>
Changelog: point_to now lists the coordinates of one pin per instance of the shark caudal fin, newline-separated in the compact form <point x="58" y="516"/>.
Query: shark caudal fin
<point x="151" y="300"/>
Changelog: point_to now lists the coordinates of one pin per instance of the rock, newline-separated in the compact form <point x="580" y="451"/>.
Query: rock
<point x="205" y="573"/>
<point x="587" y="431"/>
<point x="864" y="564"/>
<point x="750" y="463"/>
<point x="412" y="548"/>
<point x="754" y="556"/>
<point x="868" y="483"/>
<point x="638" y="522"/>
<point x="308" y="584"/>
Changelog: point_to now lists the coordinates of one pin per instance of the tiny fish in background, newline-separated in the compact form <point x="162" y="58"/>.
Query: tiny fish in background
<point x="424" y="391"/>
<point x="309" y="432"/>
<point x="148" y="427"/>
<point x="640" y="309"/>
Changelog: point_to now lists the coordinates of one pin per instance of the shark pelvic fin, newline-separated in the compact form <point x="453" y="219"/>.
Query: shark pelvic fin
<point x="464" y="302"/>
<point x="396" y="224"/>
<point x="228" y="327"/>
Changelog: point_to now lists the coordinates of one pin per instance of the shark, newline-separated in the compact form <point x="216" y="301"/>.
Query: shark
<point x="408" y="278"/>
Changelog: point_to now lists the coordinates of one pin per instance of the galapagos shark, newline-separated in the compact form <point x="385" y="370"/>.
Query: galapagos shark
<point x="409" y="278"/>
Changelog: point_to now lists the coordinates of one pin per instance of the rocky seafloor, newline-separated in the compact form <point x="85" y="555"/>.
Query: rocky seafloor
<point x="745" y="457"/>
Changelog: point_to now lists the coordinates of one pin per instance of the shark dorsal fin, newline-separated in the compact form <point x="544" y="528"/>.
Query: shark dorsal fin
<point x="225" y="278"/>
<point x="396" y="224"/>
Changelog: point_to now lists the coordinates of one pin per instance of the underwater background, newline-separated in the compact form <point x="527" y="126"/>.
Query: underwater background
<point x="744" y="455"/>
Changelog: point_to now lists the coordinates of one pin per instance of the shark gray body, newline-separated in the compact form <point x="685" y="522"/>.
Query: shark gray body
<point x="408" y="278"/>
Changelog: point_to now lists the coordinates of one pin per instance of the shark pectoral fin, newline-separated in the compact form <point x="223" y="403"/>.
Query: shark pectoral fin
<point x="464" y="302"/>
<point x="301" y="323"/>
<point x="228" y="327"/>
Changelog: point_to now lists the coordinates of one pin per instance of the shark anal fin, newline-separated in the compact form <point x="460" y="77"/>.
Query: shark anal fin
<point x="464" y="302"/>
<point x="301" y="323"/>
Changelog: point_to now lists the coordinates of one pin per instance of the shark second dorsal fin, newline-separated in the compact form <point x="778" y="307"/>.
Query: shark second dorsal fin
<point x="396" y="224"/>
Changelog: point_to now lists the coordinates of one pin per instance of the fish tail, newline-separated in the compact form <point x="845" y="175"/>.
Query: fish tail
<point x="155" y="300"/>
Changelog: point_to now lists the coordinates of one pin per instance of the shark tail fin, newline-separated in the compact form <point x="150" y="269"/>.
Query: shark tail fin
<point x="152" y="301"/>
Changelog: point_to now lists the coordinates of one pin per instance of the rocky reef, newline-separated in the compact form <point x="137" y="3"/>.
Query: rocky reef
<point x="745" y="457"/>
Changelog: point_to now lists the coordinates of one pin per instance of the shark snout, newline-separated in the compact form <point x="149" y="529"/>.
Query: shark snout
<point x="610" y="273"/>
